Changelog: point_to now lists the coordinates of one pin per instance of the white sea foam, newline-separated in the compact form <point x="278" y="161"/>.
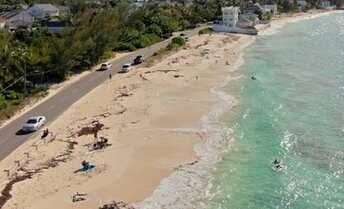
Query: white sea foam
<point x="190" y="184"/>
<point x="288" y="141"/>
<point x="273" y="29"/>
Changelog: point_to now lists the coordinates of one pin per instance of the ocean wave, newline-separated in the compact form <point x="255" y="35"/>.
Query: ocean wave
<point x="190" y="184"/>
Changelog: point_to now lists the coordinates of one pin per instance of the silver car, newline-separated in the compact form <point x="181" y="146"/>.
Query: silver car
<point x="34" y="123"/>
<point x="126" y="68"/>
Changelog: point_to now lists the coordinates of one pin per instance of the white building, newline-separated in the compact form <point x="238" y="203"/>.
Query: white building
<point x="270" y="8"/>
<point x="230" y="22"/>
<point x="302" y="4"/>
<point x="43" y="10"/>
<point x="326" y="5"/>
<point x="230" y="16"/>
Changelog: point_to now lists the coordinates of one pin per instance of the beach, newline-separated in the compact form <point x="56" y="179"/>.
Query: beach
<point x="150" y="117"/>
<point x="153" y="118"/>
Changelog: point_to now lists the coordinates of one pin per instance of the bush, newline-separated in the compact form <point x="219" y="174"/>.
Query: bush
<point x="205" y="31"/>
<point x="146" y="40"/>
<point x="176" y="43"/>
<point x="108" y="54"/>
<point x="10" y="95"/>
<point x="3" y="103"/>
<point x="124" y="47"/>
<point x="172" y="46"/>
<point x="17" y="102"/>
<point x="37" y="90"/>
<point x="159" y="52"/>
<point x="178" y="40"/>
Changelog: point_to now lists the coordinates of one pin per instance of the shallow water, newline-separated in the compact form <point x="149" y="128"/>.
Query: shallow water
<point x="293" y="112"/>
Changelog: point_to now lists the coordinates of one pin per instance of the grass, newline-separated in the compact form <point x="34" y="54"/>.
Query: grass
<point x="205" y="31"/>
<point x="19" y="104"/>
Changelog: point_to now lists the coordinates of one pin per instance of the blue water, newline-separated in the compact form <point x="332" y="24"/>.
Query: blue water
<point x="292" y="112"/>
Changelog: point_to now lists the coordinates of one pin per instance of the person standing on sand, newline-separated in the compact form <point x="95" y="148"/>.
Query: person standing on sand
<point x="110" y="76"/>
<point x="95" y="136"/>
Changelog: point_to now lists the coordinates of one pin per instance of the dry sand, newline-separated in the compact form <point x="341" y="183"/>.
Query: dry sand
<point x="147" y="115"/>
<point x="151" y="117"/>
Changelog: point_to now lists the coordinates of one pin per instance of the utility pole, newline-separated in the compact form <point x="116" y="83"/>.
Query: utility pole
<point x="24" y="79"/>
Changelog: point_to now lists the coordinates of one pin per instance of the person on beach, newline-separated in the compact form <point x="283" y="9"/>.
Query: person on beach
<point x="45" y="133"/>
<point x="86" y="165"/>
<point x="95" y="136"/>
<point x="110" y="76"/>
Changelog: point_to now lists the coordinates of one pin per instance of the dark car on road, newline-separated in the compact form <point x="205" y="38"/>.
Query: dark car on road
<point x="140" y="59"/>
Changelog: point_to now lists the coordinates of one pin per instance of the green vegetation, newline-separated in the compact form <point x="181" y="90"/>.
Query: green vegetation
<point x="176" y="43"/>
<point x="205" y="31"/>
<point x="99" y="30"/>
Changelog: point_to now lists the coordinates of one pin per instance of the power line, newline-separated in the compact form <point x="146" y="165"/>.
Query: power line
<point x="32" y="74"/>
<point x="11" y="84"/>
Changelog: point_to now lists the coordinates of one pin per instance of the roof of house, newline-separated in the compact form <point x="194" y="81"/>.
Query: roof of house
<point x="63" y="8"/>
<point x="22" y="16"/>
<point x="8" y="15"/>
<point x="46" y="7"/>
<point x="2" y="19"/>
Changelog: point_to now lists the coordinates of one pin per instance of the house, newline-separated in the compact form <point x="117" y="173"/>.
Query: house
<point x="272" y="8"/>
<point x="326" y="5"/>
<point x="229" y="23"/>
<point x="41" y="11"/>
<point x="252" y="7"/>
<point x="301" y="4"/>
<point x="248" y="20"/>
<point x="18" y="19"/>
<point x="56" y="27"/>
<point x="63" y="9"/>
<point x="230" y="16"/>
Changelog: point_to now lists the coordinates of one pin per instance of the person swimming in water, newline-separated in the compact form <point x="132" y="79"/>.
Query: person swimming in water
<point x="253" y="78"/>
<point x="276" y="162"/>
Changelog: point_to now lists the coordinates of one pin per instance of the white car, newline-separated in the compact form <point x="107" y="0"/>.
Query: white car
<point x="106" y="66"/>
<point x="126" y="68"/>
<point x="34" y="123"/>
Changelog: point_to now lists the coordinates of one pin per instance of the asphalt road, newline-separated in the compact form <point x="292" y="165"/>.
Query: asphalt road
<point x="11" y="136"/>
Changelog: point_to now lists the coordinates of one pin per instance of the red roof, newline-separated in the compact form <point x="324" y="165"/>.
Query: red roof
<point x="2" y="19"/>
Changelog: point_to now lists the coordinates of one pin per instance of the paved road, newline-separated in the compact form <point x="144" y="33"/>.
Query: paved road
<point x="53" y="107"/>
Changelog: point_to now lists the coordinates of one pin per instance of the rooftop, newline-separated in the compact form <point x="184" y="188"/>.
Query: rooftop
<point x="46" y="7"/>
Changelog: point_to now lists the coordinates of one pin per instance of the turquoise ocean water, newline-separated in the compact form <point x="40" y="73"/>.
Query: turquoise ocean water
<point x="293" y="112"/>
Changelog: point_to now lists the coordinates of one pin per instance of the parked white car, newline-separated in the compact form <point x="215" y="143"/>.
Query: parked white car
<point x="106" y="66"/>
<point x="34" y="123"/>
<point x="126" y="68"/>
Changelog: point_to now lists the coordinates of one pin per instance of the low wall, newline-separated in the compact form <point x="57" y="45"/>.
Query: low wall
<point x="222" y="28"/>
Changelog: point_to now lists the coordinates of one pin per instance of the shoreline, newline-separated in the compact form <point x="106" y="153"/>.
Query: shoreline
<point x="208" y="128"/>
<point x="152" y="139"/>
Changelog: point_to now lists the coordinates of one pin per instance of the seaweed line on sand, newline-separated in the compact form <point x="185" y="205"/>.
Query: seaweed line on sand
<point x="53" y="162"/>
